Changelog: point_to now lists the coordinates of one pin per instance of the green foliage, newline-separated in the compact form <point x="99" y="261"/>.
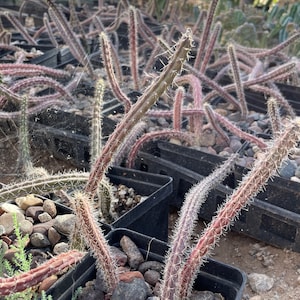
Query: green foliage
<point x="45" y="297"/>
<point x="20" y="263"/>
<point x="264" y="3"/>
<point x="265" y="27"/>
<point x="77" y="293"/>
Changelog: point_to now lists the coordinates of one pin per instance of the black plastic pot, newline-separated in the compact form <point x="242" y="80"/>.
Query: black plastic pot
<point x="214" y="276"/>
<point x="149" y="217"/>
<point x="65" y="135"/>
<point x="272" y="217"/>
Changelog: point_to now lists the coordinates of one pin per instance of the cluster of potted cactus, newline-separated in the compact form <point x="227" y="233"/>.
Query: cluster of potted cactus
<point x="200" y="91"/>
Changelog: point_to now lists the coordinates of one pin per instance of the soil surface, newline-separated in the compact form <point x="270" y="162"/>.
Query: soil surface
<point x="243" y="252"/>
<point x="253" y="256"/>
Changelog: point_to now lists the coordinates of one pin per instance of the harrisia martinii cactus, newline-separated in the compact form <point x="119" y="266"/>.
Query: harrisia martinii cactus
<point x="264" y="168"/>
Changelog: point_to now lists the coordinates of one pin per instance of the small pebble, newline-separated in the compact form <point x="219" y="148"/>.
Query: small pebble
<point x="11" y="208"/>
<point x="26" y="227"/>
<point x="64" y="223"/>
<point x="288" y="169"/>
<point x="44" y="217"/>
<point x="3" y="246"/>
<point x="53" y="236"/>
<point x="207" y="138"/>
<point x="205" y="295"/>
<point x="43" y="227"/>
<point x="120" y="256"/>
<point x="260" y="283"/>
<point x="135" y="290"/>
<point x="50" y="207"/>
<point x="39" y="240"/>
<point x="34" y="212"/>
<point x="47" y="283"/>
<point x="60" y="248"/>
<point x="129" y="276"/>
<point x="29" y="200"/>
<point x="6" y="220"/>
<point x="2" y="230"/>
<point x="152" y="277"/>
<point x="135" y="258"/>
<point x="150" y="265"/>
<point x="257" y="297"/>
<point x="296" y="179"/>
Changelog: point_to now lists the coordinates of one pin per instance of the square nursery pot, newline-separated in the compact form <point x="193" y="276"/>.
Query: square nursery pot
<point x="214" y="276"/>
<point x="149" y="217"/>
<point x="272" y="217"/>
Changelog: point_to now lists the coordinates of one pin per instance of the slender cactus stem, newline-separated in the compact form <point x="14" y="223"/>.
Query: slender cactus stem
<point x="43" y="185"/>
<point x="49" y="30"/>
<point x="133" y="46"/>
<point x="69" y="36"/>
<point x="107" y="59"/>
<point x="17" y="24"/>
<point x="235" y="130"/>
<point x="95" y="239"/>
<point x="196" y="122"/>
<point x="31" y="278"/>
<point x="264" y="168"/>
<point x="205" y="34"/>
<point x="96" y="129"/>
<point x="210" y="115"/>
<point x="132" y="137"/>
<point x="24" y="153"/>
<point x="275" y="93"/>
<point x="138" y="110"/>
<point x="210" y="47"/>
<point x="41" y="81"/>
<point x="237" y="80"/>
<point x="150" y="136"/>
<point x="274" y="115"/>
<point x="185" y="226"/>
<point x="177" y="111"/>
<point x="22" y="69"/>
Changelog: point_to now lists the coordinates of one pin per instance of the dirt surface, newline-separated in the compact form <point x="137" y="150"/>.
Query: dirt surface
<point x="253" y="256"/>
<point x="248" y="254"/>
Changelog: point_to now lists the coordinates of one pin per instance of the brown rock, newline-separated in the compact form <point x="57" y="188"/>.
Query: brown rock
<point x="44" y="217"/>
<point x="3" y="245"/>
<point x="53" y="236"/>
<point x="29" y="200"/>
<point x="6" y="220"/>
<point x="64" y="223"/>
<point x="39" y="240"/>
<point x="129" y="276"/>
<point x="11" y="208"/>
<point x="43" y="227"/>
<point x="26" y="227"/>
<point x="152" y="277"/>
<point x="50" y="207"/>
<point x="135" y="257"/>
<point x="61" y="248"/>
<point x="10" y="254"/>
<point x="47" y="283"/>
<point x="34" y="212"/>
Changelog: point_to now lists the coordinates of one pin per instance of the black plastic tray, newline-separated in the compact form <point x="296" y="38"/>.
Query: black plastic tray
<point x="65" y="135"/>
<point x="272" y="217"/>
<point x="214" y="276"/>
